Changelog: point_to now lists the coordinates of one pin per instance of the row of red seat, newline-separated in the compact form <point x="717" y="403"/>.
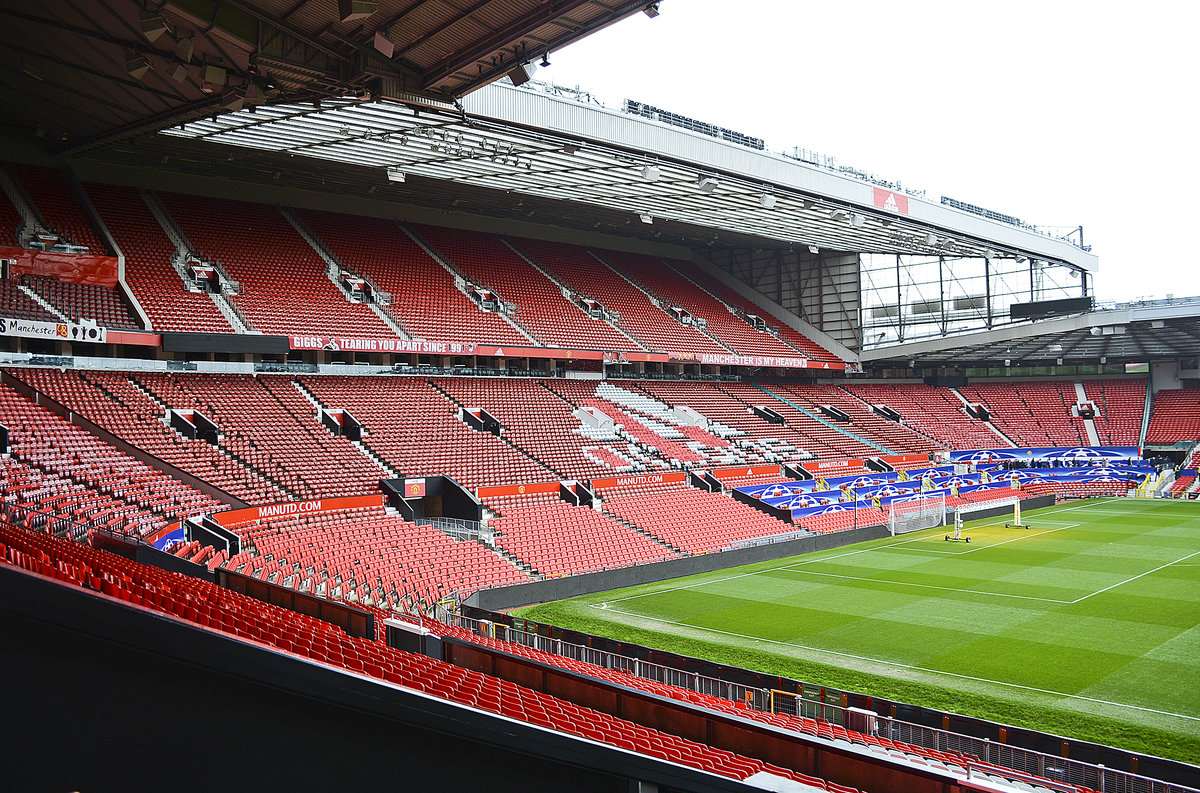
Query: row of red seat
<point x="1176" y="416"/>
<point x="214" y="608"/>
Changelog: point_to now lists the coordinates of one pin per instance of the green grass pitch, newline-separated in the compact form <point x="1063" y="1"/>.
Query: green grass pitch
<point x="1086" y="625"/>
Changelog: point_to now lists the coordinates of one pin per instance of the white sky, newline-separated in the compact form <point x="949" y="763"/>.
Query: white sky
<point x="1059" y="113"/>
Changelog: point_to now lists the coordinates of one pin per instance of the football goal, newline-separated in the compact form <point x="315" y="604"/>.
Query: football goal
<point x="925" y="512"/>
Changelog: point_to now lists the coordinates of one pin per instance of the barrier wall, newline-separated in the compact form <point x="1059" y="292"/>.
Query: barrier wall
<point x="558" y="588"/>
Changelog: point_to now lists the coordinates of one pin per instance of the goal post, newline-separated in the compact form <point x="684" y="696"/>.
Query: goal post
<point x="915" y="514"/>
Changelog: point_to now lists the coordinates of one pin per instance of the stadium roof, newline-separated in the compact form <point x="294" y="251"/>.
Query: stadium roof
<point x="76" y="74"/>
<point x="535" y="144"/>
<point x="1128" y="333"/>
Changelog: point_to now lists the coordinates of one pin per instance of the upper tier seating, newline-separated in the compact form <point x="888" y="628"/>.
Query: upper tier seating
<point x="728" y="329"/>
<point x="220" y="610"/>
<point x="82" y="301"/>
<point x="1032" y="414"/>
<point x="580" y="270"/>
<point x="935" y="412"/>
<point x="15" y="303"/>
<point x="115" y="403"/>
<point x="413" y="428"/>
<point x="425" y="302"/>
<point x="284" y="286"/>
<point x="148" y="270"/>
<point x="806" y="346"/>
<point x="56" y="204"/>
<point x="558" y="539"/>
<point x="1121" y="403"/>
<point x="655" y="329"/>
<point x="10" y="221"/>
<point x="689" y="519"/>
<point x="1176" y="416"/>
<point x="554" y="321"/>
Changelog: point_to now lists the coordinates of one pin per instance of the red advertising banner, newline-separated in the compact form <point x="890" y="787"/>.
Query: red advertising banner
<point x="397" y="345"/>
<point x="80" y="268"/>
<point x="286" y="510"/>
<point x="640" y="479"/>
<point x="830" y="466"/>
<point x="906" y="458"/>
<point x="758" y="470"/>
<point x="518" y="490"/>
<point x="891" y="201"/>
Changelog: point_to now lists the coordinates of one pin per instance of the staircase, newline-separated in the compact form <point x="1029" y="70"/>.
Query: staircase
<point x="362" y="447"/>
<point x="567" y="293"/>
<point x="658" y="303"/>
<point x="732" y="310"/>
<point x="41" y="301"/>
<point x="822" y="420"/>
<point x="183" y="252"/>
<point x="460" y="283"/>
<point x="995" y="430"/>
<point x="30" y="220"/>
<point x="334" y="269"/>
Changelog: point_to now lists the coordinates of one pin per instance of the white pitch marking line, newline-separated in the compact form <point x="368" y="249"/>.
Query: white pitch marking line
<point x="1136" y="577"/>
<point x="914" y="668"/>
<point x="706" y="582"/>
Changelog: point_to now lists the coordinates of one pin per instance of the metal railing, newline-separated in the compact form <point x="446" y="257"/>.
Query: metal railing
<point x="822" y="704"/>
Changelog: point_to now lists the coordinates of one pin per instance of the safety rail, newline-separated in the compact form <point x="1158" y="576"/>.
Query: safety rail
<point x="823" y="704"/>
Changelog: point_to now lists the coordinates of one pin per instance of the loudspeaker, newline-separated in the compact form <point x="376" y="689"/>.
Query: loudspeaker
<point x="522" y="74"/>
<point x="350" y="10"/>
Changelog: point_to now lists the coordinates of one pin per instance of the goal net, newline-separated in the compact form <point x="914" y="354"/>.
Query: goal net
<point x="919" y="513"/>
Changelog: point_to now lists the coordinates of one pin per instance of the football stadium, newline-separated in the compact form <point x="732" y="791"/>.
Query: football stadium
<point x="375" y="413"/>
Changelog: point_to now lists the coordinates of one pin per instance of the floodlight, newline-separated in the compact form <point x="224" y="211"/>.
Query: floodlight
<point x="185" y="48"/>
<point x="767" y="201"/>
<point x="383" y="45"/>
<point x="838" y="214"/>
<point x="136" y="64"/>
<point x="350" y="10"/>
<point x="931" y="239"/>
<point x="645" y="217"/>
<point x="651" y="10"/>
<point x="813" y="249"/>
<point x="153" y="25"/>
<point x="857" y="220"/>
<point x="234" y="99"/>
<point x="394" y="174"/>
<point x="521" y="74"/>
<point x="651" y="173"/>
<point x="707" y="184"/>
<point x="808" y="203"/>
<point x="179" y="73"/>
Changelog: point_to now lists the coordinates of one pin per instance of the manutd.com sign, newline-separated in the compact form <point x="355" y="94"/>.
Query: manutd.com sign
<point x="61" y="331"/>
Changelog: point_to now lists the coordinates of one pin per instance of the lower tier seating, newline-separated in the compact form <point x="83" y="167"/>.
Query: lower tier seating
<point x="220" y="610"/>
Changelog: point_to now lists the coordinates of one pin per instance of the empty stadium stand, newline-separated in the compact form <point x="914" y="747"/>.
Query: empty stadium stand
<point x="555" y="538"/>
<point x="148" y="270"/>
<point x="285" y="288"/>
<point x="1034" y="413"/>
<point x="425" y="300"/>
<point x="58" y="207"/>
<point x="1176" y="416"/>
<point x="486" y="261"/>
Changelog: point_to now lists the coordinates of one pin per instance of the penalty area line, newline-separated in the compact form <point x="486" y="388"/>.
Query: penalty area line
<point x="911" y="667"/>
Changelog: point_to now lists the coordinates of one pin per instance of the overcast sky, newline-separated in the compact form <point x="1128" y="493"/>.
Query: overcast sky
<point x="1059" y="113"/>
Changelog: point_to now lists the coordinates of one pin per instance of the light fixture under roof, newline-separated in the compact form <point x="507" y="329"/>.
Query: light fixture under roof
<point x="651" y="173"/>
<point x="651" y="10"/>
<point x="136" y="64"/>
<point x="153" y="25"/>
<point x="645" y="217"/>
<point x="767" y="201"/>
<point x="395" y="174"/>
<point x="707" y="184"/>
<point x="931" y="239"/>
<point x="813" y="249"/>
<point x="838" y="214"/>
<point x="857" y="220"/>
